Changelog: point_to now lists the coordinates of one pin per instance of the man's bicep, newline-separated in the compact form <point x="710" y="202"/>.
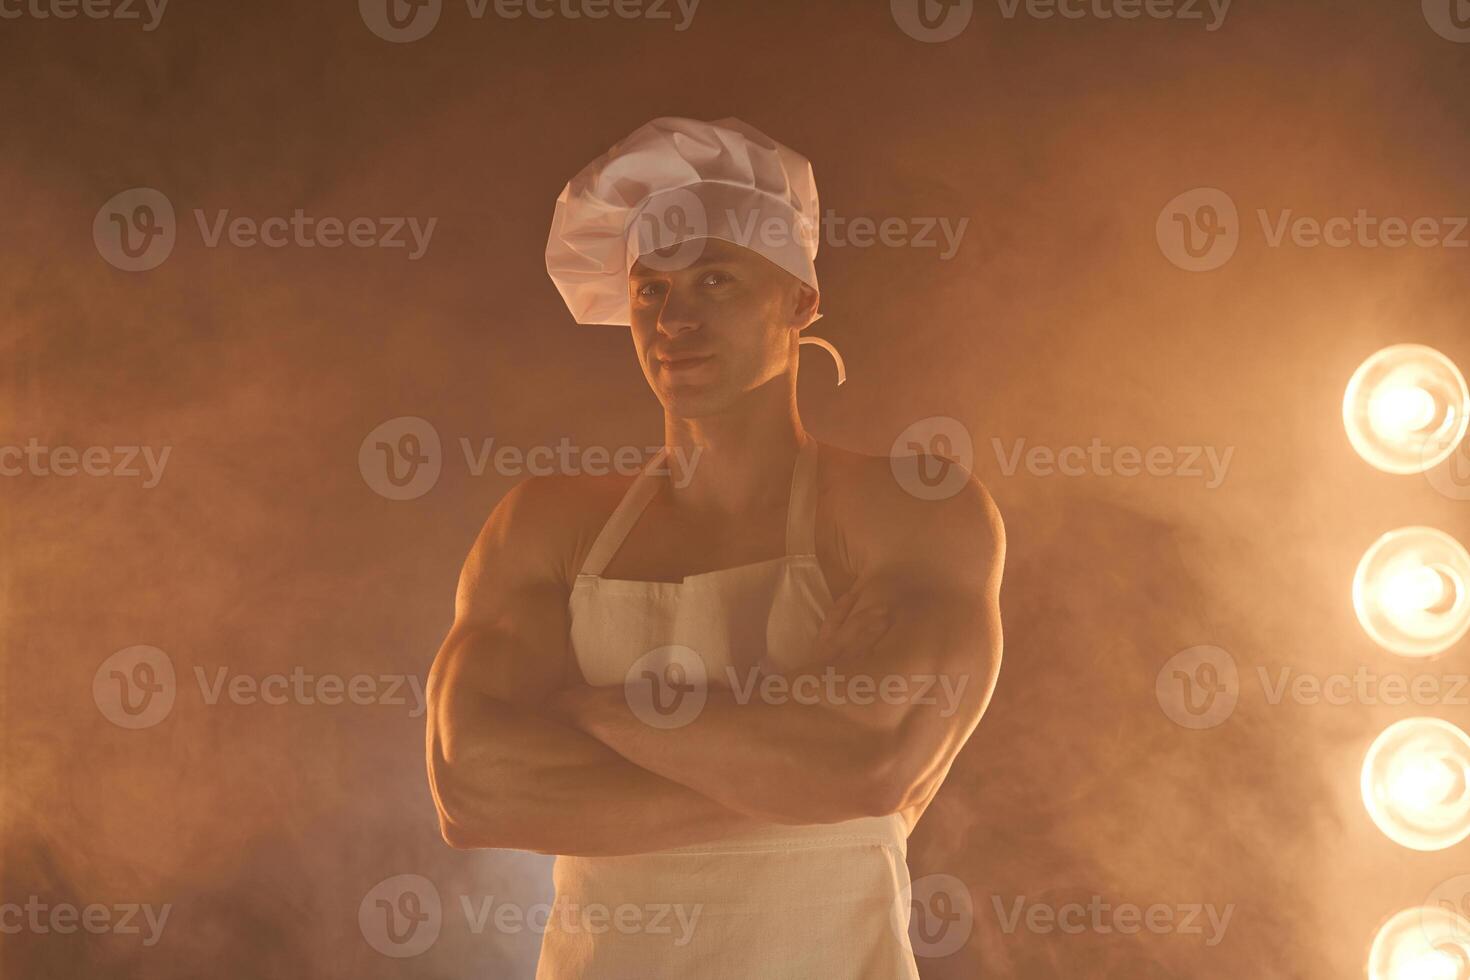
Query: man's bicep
<point x="510" y="635"/>
<point x="937" y="566"/>
<point x="908" y="549"/>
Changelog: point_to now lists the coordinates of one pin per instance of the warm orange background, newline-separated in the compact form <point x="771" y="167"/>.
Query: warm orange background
<point x="1059" y="320"/>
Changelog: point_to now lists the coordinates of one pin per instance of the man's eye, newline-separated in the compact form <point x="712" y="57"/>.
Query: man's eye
<point x="649" y="289"/>
<point x="716" y="278"/>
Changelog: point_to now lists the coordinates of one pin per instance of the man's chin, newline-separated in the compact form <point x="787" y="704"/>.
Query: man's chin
<point x="689" y="403"/>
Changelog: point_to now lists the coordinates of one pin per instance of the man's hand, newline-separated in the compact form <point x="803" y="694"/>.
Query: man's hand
<point x="852" y="626"/>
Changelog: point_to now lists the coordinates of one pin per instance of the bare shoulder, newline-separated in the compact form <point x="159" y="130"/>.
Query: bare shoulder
<point x="925" y="508"/>
<point x="538" y="533"/>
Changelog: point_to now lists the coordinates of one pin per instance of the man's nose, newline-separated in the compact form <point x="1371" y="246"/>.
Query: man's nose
<point x="677" y="315"/>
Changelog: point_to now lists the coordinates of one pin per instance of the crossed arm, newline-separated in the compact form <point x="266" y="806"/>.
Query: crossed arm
<point x="522" y="755"/>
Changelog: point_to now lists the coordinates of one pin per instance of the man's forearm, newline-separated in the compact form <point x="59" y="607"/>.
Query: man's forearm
<point x="791" y="763"/>
<point x="516" y="778"/>
<point x="878" y="742"/>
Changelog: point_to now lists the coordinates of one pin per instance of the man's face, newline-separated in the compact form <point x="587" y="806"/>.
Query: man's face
<point x="713" y="320"/>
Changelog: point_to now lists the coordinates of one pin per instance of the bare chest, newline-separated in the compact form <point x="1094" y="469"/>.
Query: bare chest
<point x="665" y="545"/>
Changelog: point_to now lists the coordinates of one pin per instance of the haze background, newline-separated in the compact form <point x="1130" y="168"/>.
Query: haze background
<point x="1058" y="321"/>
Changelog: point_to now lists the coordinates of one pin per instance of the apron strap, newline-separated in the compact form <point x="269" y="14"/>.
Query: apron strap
<point x="624" y="517"/>
<point x="801" y="509"/>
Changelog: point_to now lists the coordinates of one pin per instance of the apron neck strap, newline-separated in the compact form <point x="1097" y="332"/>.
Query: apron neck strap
<point x="624" y="517"/>
<point x="801" y="509"/>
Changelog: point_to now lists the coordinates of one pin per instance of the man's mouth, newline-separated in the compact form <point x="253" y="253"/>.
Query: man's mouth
<point x="679" y="363"/>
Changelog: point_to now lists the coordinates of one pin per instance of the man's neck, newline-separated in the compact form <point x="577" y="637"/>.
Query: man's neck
<point x="734" y="462"/>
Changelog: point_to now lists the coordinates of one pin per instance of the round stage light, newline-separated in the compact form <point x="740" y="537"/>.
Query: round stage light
<point x="1406" y="408"/>
<point x="1425" y="943"/>
<point x="1412" y="591"/>
<point x="1416" y="783"/>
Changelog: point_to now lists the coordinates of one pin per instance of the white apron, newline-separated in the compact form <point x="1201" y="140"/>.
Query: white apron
<point x="811" y="902"/>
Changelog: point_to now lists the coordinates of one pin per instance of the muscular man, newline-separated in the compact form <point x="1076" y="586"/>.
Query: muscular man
<point x="651" y="678"/>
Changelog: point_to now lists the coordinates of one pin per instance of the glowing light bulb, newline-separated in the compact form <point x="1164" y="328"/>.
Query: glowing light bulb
<point x="1410" y="591"/>
<point x="1421" y="783"/>
<point x="1413" y="590"/>
<point x="1416" y="783"/>
<point x="1434" y="965"/>
<point x="1396" y="412"/>
<point x="1425" y="943"/>
<point x="1406" y="408"/>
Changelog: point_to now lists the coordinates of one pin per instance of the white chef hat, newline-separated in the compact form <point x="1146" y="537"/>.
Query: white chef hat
<point x="670" y="181"/>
